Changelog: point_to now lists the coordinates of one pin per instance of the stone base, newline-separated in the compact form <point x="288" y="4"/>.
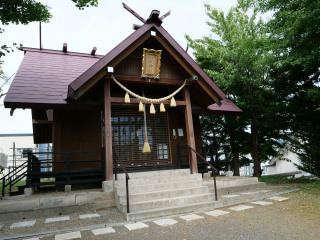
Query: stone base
<point x="107" y="186"/>
<point x="28" y="192"/>
<point x="229" y="174"/>
<point x="67" y="188"/>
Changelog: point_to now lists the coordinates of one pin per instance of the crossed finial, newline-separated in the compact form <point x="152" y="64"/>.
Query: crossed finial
<point x="153" y="16"/>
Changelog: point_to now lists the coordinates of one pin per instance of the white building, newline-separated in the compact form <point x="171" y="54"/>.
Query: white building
<point x="275" y="165"/>
<point x="11" y="144"/>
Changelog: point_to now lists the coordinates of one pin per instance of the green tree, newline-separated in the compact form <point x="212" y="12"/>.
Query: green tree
<point x="240" y="64"/>
<point x="226" y="130"/>
<point x="294" y="39"/>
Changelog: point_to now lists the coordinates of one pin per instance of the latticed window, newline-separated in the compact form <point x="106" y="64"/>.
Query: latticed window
<point x="128" y="137"/>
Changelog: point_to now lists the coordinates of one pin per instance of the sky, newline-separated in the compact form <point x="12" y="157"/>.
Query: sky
<point x="103" y="27"/>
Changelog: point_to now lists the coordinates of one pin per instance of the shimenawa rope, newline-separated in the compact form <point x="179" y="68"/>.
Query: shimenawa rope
<point x="148" y="99"/>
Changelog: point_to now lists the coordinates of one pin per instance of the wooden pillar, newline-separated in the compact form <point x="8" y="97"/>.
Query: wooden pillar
<point x="56" y="141"/>
<point x="107" y="130"/>
<point x="189" y="127"/>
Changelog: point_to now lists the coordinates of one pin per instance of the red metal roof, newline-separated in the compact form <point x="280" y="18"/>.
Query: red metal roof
<point x="44" y="75"/>
<point x="227" y="108"/>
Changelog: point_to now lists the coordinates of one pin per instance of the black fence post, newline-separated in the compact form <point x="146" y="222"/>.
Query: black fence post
<point x="178" y="155"/>
<point x="68" y="167"/>
<point x="103" y="163"/>
<point x="3" y="185"/>
<point x="28" y="170"/>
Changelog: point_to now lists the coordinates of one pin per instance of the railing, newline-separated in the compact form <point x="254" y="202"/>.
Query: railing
<point x="12" y="177"/>
<point x="214" y="170"/>
<point x="127" y="176"/>
<point x="212" y="152"/>
<point x="34" y="173"/>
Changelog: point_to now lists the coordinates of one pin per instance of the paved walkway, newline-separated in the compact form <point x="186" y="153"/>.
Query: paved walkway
<point x="171" y="225"/>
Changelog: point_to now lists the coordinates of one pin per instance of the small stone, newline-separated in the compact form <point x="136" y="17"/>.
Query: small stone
<point x="23" y="224"/>
<point x="102" y="231"/>
<point x="262" y="203"/>
<point x="240" y="207"/>
<point x="1" y="226"/>
<point x="67" y="236"/>
<point x="165" y="222"/>
<point x="280" y="199"/>
<point x="229" y="174"/>
<point x="84" y="216"/>
<point x="230" y="196"/>
<point x="57" y="219"/>
<point x="216" y="213"/>
<point x="136" y="226"/>
<point x="191" y="217"/>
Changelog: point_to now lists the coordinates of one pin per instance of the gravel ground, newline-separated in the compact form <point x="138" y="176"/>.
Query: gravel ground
<point x="235" y="224"/>
<point x="277" y="221"/>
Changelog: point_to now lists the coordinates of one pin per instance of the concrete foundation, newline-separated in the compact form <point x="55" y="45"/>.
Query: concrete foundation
<point x="67" y="188"/>
<point x="28" y="192"/>
<point x="229" y="174"/>
<point x="107" y="186"/>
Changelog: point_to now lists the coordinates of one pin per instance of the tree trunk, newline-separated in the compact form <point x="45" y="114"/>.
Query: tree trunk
<point x="255" y="144"/>
<point x="235" y="153"/>
<point x="235" y="161"/>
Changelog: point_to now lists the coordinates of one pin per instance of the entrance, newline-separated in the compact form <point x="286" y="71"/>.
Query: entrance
<point x="127" y="125"/>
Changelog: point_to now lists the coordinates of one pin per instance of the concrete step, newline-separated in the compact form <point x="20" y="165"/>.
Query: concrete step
<point x="156" y="195"/>
<point x="157" y="180"/>
<point x="166" y="211"/>
<point x="173" y="172"/>
<point x="167" y="202"/>
<point x="14" y="193"/>
<point x="157" y="187"/>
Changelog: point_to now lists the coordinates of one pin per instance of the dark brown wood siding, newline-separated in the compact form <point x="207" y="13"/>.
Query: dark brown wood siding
<point x="176" y="121"/>
<point x="132" y="65"/>
<point x="80" y="131"/>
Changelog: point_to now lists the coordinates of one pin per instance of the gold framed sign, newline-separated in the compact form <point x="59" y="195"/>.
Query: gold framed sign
<point x="151" y="62"/>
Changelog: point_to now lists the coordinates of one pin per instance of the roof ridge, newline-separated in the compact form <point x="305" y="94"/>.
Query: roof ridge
<point x="51" y="51"/>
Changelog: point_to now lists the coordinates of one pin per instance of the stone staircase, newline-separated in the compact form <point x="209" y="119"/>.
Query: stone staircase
<point x="162" y="193"/>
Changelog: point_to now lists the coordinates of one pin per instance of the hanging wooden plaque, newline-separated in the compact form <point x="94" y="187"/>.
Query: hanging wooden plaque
<point x="151" y="62"/>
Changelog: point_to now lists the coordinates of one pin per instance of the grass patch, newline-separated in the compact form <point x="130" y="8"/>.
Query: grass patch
<point x="307" y="185"/>
<point x="280" y="179"/>
<point x="14" y="187"/>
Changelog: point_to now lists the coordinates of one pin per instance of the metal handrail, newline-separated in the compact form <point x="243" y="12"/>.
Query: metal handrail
<point x="127" y="176"/>
<point x="213" y="168"/>
<point x="11" y="177"/>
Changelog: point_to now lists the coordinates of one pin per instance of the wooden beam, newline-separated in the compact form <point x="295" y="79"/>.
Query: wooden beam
<point x="136" y="79"/>
<point x="137" y="101"/>
<point x="188" y="69"/>
<point x="93" y="52"/>
<point x="65" y="47"/>
<point x="206" y="88"/>
<point x="42" y="122"/>
<point x="192" y="80"/>
<point x="104" y="71"/>
<point x="189" y="128"/>
<point x="12" y="111"/>
<point x="107" y="130"/>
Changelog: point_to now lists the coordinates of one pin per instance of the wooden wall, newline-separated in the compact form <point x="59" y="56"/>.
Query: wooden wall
<point x="132" y="65"/>
<point x="77" y="131"/>
<point x="42" y="133"/>
<point x="176" y="121"/>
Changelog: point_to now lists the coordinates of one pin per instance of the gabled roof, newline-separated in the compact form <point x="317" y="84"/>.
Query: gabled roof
<point x="43" y="77"/>
<point x="102" y="64"/>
